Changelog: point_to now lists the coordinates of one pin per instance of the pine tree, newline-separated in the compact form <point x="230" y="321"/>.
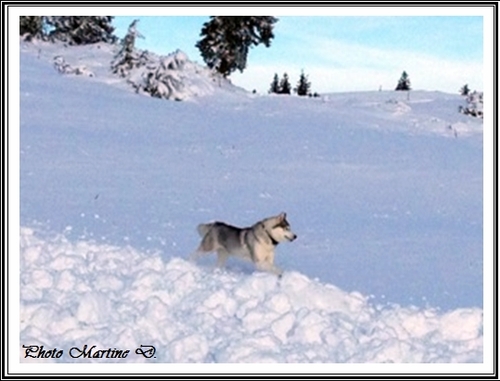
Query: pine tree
<point x="31" y="27"/>
<point x="285" y="87"/>
<point x="275" y="85"/>
<point x="164" y="77"/>
<point x="464" y="90"/>
<point x="128" y="57"/>
<point x="226" y="40"/>
<point x="404" y="82"/>
<point x="81" y="30"/>
<point x="304" y="86"/>
<point x="474" y="104"/>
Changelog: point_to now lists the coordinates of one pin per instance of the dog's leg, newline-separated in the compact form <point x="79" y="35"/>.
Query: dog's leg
<point x="194" y="256"/>
<point x="206" y="245"/>
<point x="200" y="251"/>
<point x="222" y="256"/>
<point x="269" y="267"/>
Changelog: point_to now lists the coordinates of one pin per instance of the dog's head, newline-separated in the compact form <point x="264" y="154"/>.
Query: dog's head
<point x="279" y="228"/>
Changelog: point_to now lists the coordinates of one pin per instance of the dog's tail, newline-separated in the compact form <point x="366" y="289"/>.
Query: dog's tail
<point x="203" y="229"/>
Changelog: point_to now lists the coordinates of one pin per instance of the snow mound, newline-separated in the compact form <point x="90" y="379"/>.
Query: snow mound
<point x="77" y="295"/>
<point x="172" y="77"/>
<point x="64" y="68"/>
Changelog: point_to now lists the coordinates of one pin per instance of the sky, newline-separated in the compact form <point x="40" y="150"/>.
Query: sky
<point x="341" y="53"/>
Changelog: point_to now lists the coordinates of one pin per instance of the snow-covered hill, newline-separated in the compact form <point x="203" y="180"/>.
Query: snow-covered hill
<point x="384" y="192"/>
<point x="95" y="61"/>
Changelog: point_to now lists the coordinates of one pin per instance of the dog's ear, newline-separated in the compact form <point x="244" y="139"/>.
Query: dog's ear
<point x="282" y="216"/>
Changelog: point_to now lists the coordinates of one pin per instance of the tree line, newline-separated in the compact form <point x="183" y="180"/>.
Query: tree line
<point x="224" y="45"/>
<point x="225" y="42"/>
<point x="73" y="30"/>
<point x="283" y="86"/>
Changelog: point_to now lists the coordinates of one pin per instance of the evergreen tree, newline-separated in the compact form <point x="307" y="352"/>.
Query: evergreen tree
<point x="81" y="30"/>
<point x="226" y="40"/>
<point x="165" y="77"/>
<point x="275" y="85"/>
<point x="464" y="90"/>
<point x="474" y="104"/>
<point x="404" y="82"/>
<point x="128" y="57"/>
<point x="285" y="87"/>
<point x="31" y="27"/>
<point x="304" y="86"/>
<point x="158" y="76"/>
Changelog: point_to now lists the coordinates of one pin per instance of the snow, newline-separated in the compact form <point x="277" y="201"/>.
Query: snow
<point x="118" y="297"/>
<point x="383" y="189"/>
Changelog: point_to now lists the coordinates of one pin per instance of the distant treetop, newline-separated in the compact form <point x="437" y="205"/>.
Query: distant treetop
<point x="404" y="82"/>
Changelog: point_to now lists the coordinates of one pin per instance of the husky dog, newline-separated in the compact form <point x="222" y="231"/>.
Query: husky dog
<point x="255" y="243"/>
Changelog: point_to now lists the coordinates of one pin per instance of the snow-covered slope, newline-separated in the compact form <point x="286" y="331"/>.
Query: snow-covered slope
<point x="117" y="297"/>
<point x="384" y="192"/>
<point x="95" y="61"/>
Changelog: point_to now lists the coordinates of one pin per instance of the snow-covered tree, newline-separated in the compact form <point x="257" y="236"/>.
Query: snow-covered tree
<point x="275" y="85"/>
<point x="226" y="40"/>
<point x="81" y="30"/>
<point x="168" y="77"/>
<point x="63" y="67"/>
<point x="31" y="27"/>
<point x="473" y="104"/>
<point x="163" y="78"/>
<point x="285" y="87"/>
<point x="304" y="86"/>
<point x="159" y="77"/>
<point x="128" y="57"/>
<point x="404" y="82"/>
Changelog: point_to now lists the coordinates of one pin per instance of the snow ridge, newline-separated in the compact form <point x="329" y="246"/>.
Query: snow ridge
<point x="172" y="77"/>
<point x="84" y="293"/>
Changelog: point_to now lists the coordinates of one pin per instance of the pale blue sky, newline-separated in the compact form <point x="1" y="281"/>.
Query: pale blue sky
<point x="342" y="53"/>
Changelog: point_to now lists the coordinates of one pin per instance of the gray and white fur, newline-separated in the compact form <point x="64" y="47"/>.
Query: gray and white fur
<point x="255" y="243"/>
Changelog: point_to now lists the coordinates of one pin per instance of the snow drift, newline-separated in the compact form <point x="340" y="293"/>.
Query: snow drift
<point x="83" y="293"/>
<point x="171" y="77"/>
